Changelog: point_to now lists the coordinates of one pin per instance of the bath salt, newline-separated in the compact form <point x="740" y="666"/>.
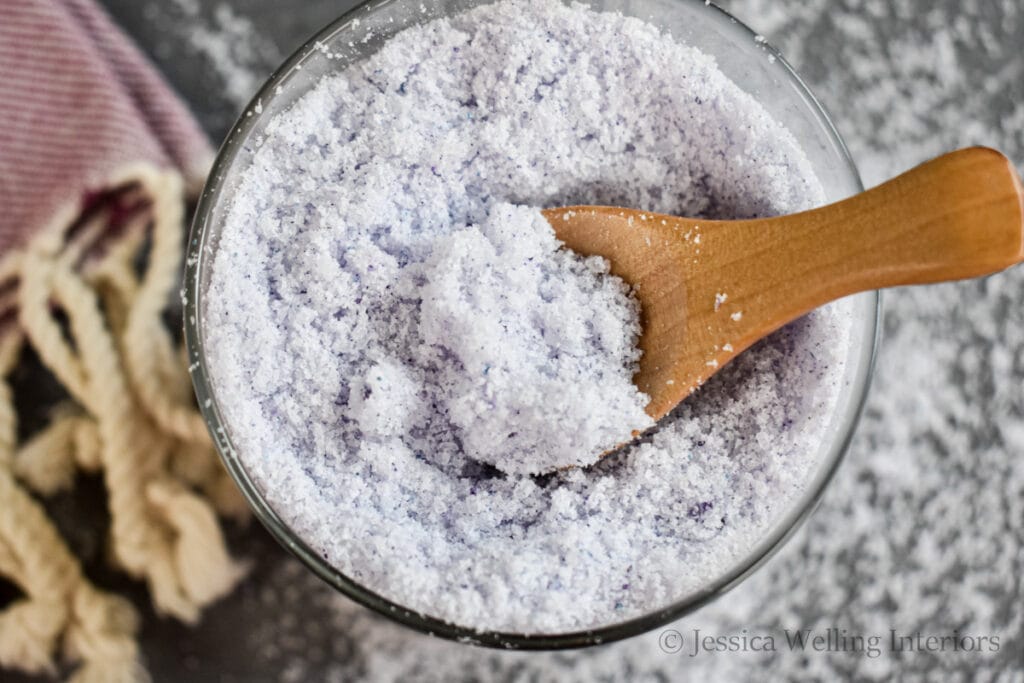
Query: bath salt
<point x="396" y="340"/>
<point x="541" y="343"/>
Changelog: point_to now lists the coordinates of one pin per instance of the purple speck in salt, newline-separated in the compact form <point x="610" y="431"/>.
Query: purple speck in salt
<point x="397" y="438"/>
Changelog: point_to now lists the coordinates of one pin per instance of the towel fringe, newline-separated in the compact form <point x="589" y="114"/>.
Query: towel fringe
<point x="96" y="324"/>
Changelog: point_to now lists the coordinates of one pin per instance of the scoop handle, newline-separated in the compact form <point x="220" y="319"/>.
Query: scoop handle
<point x="958" y="216"/>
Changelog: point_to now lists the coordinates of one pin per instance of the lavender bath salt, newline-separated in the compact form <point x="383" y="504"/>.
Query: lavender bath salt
<point x="398" y="344"/>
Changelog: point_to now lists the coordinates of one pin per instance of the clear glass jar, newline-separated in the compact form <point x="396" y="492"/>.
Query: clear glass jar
<point x="742" y="56"/>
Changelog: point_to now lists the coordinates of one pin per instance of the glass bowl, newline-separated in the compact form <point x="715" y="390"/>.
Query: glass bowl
<point x="742" y="56"/>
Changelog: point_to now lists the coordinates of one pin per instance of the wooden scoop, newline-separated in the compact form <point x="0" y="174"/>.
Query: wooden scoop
<point x="709" y="289"/>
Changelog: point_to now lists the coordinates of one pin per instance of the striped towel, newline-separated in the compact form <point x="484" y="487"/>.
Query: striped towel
<point x="78" y="101"/>
<point x="97" y="156"/>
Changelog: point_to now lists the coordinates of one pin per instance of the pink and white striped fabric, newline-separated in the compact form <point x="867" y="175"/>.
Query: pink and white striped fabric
<point x="77" y="102"/>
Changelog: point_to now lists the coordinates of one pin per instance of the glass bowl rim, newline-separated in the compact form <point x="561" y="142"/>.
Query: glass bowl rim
<point x="782" y="529"/>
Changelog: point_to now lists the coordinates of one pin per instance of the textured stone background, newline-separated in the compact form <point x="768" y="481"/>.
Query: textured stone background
<point x="923" y="528"/>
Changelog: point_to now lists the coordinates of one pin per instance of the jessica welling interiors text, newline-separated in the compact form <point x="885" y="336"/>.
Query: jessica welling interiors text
<point x="834" y="639"/>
